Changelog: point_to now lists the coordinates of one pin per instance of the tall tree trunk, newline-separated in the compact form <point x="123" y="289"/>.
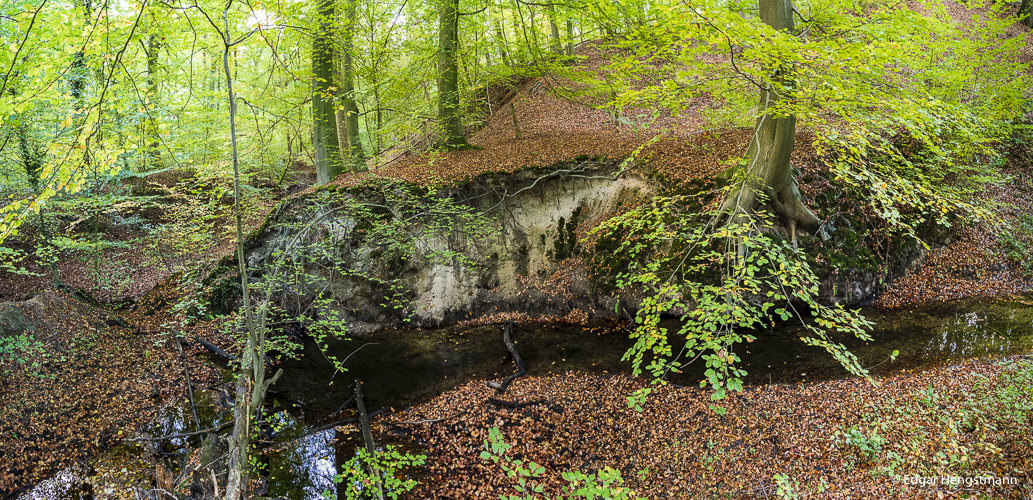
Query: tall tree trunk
<point x="33" y="158"/>
<point x="240" y="441"/>
<point x="1026" y="13"/>
<point x="557" y="45"/>
<point x="504" y="44"/>
<point x="380" y="119"/>
<point x="153" y="46"/>
<point x="77" y="75"/>
<point x="449" y="113"/>
<point x="356" y="154"/>
<point x="324" y="121"/>
<point x="570" y="36"/>
<point x="768" y="170"/>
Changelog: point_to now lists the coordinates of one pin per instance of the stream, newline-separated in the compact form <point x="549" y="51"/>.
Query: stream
<point x="401" y="368"/>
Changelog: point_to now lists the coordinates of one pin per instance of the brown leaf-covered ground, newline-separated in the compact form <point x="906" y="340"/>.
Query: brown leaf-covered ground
<point x="678" y="448"/>
<point x="97" y="381"/>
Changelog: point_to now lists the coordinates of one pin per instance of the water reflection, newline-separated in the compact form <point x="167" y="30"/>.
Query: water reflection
<point x="972" y="334"/>
<point x="305" y="466"/>
<point x="924" y="337"/>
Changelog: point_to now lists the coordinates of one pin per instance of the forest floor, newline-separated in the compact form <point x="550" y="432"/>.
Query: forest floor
<point x="829" y="439"/>
<point x="97" y="381"/>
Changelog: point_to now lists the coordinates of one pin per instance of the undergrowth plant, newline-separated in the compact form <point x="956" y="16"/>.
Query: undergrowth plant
<point x="1017" y="242"/>
<point x="382" y="472"/>
<point x="932" y="434"/>
<point x="22" y="353"/>
<point x="606" y="484"/>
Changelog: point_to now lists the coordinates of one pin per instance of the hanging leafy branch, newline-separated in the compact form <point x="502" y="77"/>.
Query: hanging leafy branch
<point x="688" y="268"/>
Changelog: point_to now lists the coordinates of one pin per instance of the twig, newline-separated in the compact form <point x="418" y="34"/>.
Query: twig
<point x="513" y="404"/>
<point x="185" y="434"/>
<point x="215" y="483"/>
<point x="431" y="421"/>
<point x="346" y="358"/>
<point x="190" y="386"/>
<point x="331" y="425"/>
<point x="343" y="406"/>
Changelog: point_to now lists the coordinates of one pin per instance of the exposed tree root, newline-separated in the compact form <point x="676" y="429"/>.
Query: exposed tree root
<point x="769" y="173"/>
<point x="521" y="369"/>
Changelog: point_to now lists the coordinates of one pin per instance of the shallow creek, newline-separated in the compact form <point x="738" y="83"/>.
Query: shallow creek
<point x="401" y="368"/>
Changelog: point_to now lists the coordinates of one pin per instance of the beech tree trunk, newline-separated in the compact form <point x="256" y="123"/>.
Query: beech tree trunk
<point x="77" y="75"/>
<point x="503" y="43"/>
<point x="768" y="170"/>
<point x="557" y="45"/>
<point x="153" y="140"/>
<point x="239" y="443"/>
<point x="1026" y="13"/>
<point x="450" y="120"/>
<point x="570" y="37"/>
<point x="324" y="120"/>
<point x="356" y="153"/>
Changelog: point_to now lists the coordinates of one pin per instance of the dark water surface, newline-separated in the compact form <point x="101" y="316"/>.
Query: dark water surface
<point x="405" y="367"/>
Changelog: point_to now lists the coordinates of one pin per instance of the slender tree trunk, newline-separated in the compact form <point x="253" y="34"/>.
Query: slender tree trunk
<point x="504" y="45"/>
<point x="557" y="45"/>
<point x="324" y="121"/>
<point x="768" y="169"/>
<point x="380" y="118"/>
<point x="570" y="37"/>
<point x="449" y="113"/>
<point x="516" y="124"/>
<point x="77" y="75"/>
<point x="240" y="441"/>
<point x="518" y="33"/>
<point x="356" y="154"/>
<point x="153" y="46"/>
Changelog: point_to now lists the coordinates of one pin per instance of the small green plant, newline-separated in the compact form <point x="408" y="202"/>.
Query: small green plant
<point x="383" y="471"/>
<point x="1017" y="242"/>
<point x="784" y="485"/>
<point x="969" y="435"/>
<point x="866" y="446"/>
<point x="23" y="353"/>
<point x="928" y="397"/>
<point x="604" y="485"/>
<point x="638" y="398"/>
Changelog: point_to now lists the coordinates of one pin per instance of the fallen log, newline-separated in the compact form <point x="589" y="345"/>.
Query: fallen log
<point x="214" y="349"/>
<point x="429" y="421"/>
<point x="343" y="406"/>
<point x="190" y="385"/>
<point x="331" y="425"/>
